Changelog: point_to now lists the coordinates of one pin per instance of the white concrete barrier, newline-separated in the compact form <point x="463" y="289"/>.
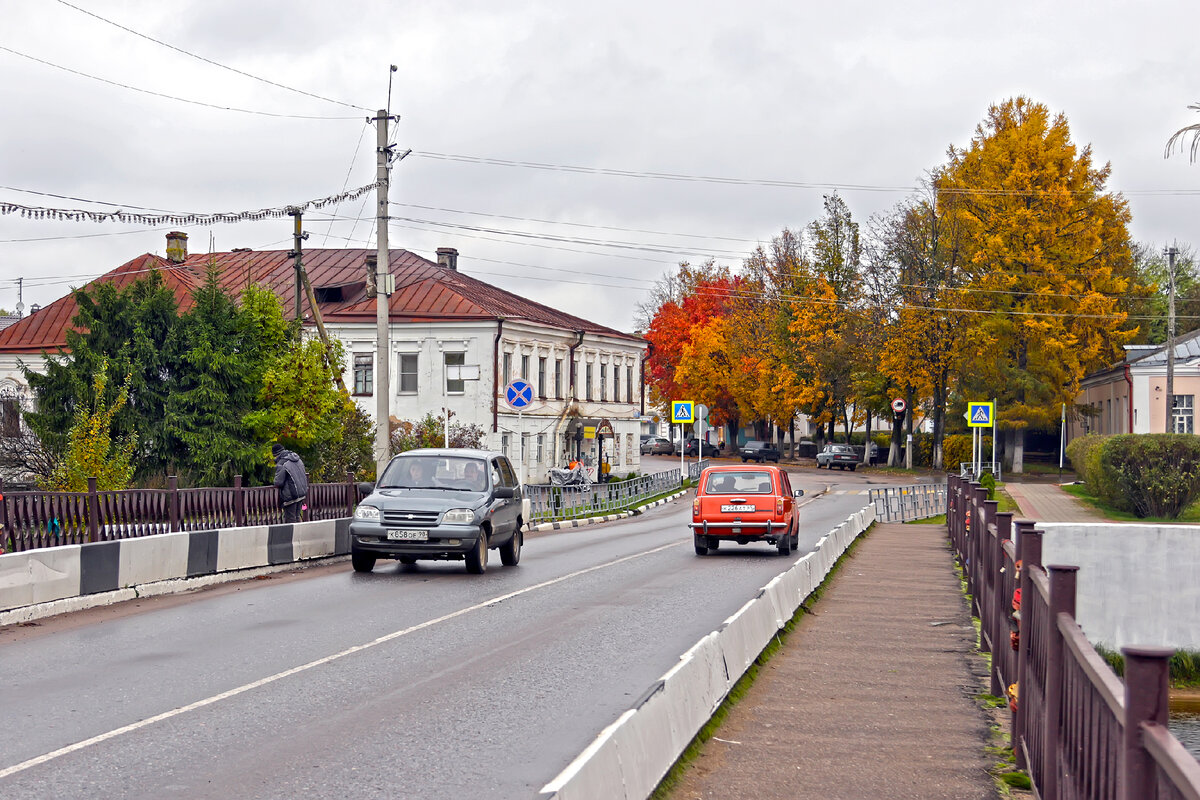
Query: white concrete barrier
<point x="39" y="576"/>
<point x="630" y="757"/>
<point x="241" y="548"/>
<point x="153" y="558"/>
<point x="313" y="539"/>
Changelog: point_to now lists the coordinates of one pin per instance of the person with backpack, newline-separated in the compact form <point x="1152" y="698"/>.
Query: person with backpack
<point x="291" y="481"/>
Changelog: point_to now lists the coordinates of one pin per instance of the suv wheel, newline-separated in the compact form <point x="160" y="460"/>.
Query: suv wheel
<point x="362" y="562"/>
<point x="477" y="559"/>
<point x="510" y="551"/>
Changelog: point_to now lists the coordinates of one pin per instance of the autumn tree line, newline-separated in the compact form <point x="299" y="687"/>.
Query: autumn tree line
<point x="1010" y="274"/>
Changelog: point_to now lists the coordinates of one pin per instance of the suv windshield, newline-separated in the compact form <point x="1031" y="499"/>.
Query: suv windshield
<point x="747" y="482"/>
<point x="435" y="472"/>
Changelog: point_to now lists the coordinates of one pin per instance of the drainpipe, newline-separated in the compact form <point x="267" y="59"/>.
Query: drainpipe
<point x="1129" y="380"/>
<point x="646" y="355"/>
<point x="496" y="375"/>
<point x="571" y="358"/>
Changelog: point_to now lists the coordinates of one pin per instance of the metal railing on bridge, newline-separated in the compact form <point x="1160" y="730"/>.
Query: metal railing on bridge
<point x="905" y="503"/>
<point x="34" y="519"/>
<point x="551" y="503"/>
<point x="1077" y="728"/>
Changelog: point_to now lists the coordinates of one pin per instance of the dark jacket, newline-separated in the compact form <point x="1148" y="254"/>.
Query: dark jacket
<point x="290" y="478"/>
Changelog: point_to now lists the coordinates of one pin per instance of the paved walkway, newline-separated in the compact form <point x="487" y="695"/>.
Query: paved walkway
<point x="1046" y="502"/>
<point x="872" y="695"/>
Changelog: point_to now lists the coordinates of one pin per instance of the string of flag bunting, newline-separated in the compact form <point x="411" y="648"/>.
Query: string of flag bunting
<point x="167" y="218"/>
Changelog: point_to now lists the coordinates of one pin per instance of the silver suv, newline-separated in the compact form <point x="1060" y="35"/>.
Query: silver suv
<point x="440" y="504"/>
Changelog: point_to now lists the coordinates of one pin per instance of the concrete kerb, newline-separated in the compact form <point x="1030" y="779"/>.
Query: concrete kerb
<point x="631" y="756"/>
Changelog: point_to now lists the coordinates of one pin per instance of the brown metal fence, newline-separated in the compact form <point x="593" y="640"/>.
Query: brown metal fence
<point x="1078" y="729"/>
<point x="32" y="520"/>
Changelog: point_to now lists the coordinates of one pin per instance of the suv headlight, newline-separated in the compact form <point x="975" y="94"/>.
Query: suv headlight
<point x="369" y="513"/>
<point x="458" y="516"/>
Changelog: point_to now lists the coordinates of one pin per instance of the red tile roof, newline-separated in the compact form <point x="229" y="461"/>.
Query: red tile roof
<point x="425" y="292"/>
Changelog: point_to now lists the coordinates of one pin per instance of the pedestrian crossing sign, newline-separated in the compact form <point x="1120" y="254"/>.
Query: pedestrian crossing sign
<point x="981" y="415"/>
<point x="681" y="411"/>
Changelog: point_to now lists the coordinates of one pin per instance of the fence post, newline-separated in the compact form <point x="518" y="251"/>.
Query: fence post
<point x="173" y="501"/>
<point x="239" y="502"/>
<point x="1146" y="678"/>
<point x="1062" y="601"/>
<point x="93" y="507"/>
<point x="351" y="494"/>
<point x="987" y="562"/>
<point x="997" y="613"/>
<point x="1029" y="551"/>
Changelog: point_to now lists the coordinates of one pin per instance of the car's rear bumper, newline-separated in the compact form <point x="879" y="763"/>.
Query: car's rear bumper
<point x="739" y="530"/>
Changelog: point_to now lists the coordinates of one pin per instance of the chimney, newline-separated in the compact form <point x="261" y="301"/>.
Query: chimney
<point x="448" y="258"/>
<point x="176" y="247"/>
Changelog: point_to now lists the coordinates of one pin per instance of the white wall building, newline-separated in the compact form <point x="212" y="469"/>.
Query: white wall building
<point x="586" y="378"/>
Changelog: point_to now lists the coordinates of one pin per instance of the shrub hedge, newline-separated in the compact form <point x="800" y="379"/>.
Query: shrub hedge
<point x="1077" y="453"/>
<point x="956" y="449"/>
<point x="1151" y="475"/>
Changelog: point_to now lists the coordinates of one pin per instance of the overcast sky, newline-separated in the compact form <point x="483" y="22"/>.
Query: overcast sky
<point x="865" y="96"/>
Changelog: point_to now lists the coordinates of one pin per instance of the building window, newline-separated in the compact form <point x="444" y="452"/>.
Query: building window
<point x="558" y="379"/>
<point x="505" y="439"/>
<point x="455" y="360"/>
<point x="616" y="384"/>
<point x="541" y="446"/>
<point x="629" y="445"/>
<point x="542" y="378"/>
<point x="575" y="380"/>
<point x="506" y="373"/>
<point x="603" y="382"/>
<point x="408" y="373"/>
<point x="629" y="385"/>
<point x="10" y="418"/>
<point x="587" y="383"/>
<point x="364" y="373"/>
<point x="524" y="368"/>
<point x="1182" y="413"/>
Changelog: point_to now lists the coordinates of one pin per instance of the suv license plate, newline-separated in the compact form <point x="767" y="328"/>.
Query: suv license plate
<point x="736" y="509"/>
<point x="408" y="536"/>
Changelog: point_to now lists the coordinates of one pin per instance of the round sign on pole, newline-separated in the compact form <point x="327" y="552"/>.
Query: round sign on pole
<point x="898" y="405"/>
<point x="519" y="393"/>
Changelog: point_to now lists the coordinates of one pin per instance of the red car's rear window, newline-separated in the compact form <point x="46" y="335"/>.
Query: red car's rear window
<point x="745" y="482"/>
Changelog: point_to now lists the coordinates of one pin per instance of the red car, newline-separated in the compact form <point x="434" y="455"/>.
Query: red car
<point x="745" y="504"/>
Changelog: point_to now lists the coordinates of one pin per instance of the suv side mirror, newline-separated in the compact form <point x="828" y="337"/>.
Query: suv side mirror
<point x="504" y="493"/>
<point x="798" y="493"/>
<point x="365" y="488"/>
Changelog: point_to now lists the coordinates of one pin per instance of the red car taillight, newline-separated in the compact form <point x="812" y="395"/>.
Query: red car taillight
<point x="779" y="506"/>
<point x="696" y="507"/>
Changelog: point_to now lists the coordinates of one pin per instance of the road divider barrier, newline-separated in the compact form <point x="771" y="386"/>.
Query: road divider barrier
<point x="631" y="756"/>
<point x="32" y="581"/>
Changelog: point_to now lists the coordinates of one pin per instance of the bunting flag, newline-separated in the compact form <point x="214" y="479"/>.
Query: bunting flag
<point x="167" y="218"/>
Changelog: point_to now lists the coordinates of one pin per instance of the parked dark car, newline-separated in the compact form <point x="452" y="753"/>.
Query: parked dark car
<point x="657" y="446"/>
<point x="838" y="455"/>
<point x="452" y="504"/>
<point x="704" y="449"/>
<point x="759" y="451"/>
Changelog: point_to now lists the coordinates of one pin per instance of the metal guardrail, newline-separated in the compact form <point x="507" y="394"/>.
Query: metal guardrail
<point x="549" y="503"/>
<point x="905" y="503"/>
<point x="1078" y="729"/>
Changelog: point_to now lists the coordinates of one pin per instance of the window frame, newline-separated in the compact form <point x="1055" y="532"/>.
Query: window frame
<point x="363" y="365"/>
<point x="414" y="374"/>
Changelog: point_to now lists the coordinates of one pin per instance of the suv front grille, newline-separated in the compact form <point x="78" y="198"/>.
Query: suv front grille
<point x="411" y="517"/>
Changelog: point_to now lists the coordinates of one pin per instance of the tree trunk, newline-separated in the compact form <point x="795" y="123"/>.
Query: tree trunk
<point x="1018" y="455"/>
<point x="897" y="432"/>
<point x="939" y="426"/>
<point x="867" y="443"/>
<point x="792" y="437"/>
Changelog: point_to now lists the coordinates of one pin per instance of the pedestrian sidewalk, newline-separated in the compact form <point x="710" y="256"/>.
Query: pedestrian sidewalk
<point x="871" y="695"/>
<point x="1047" y="502"/>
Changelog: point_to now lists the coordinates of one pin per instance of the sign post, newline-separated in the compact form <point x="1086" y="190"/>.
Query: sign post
<point x="519" y="395"/>
<point x="701" y="419"/>
<point x="682" y="412"/>
<point x="981" y="415"/>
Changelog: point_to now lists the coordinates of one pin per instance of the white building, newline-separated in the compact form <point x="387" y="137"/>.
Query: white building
<point x="586" y="378"/>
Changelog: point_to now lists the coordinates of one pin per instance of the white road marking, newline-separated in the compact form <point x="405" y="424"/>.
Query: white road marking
<point x="208" y="701"/>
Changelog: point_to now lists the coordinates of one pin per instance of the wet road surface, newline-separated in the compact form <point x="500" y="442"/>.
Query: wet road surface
<point x="411" y="681"/>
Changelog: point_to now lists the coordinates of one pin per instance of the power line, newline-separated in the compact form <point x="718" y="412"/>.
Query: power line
<point x="787" y="184"/>
<point x="166" y="96"/>
<point x="209" y="60"/>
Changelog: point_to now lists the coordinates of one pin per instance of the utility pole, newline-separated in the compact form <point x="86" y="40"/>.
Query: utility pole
<point x="298" y="236"/>
<point x="1171" y="253"/>
<point x="383" y="288"/>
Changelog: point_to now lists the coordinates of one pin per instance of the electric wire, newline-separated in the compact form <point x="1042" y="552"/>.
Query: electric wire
<point x="209" y="60"/>
<point x="169" y="96"/>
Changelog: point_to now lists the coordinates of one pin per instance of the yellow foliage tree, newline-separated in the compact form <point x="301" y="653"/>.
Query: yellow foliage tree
<point x="91" y="451"/>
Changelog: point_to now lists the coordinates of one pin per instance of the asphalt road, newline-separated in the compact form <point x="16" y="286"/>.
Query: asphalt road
<point x="417" y="681"/>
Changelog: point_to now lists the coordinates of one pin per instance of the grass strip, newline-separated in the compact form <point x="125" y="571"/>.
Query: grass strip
<point x="671" y="780"/>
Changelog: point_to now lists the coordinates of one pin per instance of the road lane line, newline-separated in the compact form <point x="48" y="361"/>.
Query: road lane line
<point x="175" y="712"/>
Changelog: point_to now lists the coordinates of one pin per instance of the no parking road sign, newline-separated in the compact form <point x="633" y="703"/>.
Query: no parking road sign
<point x="681" y="411"/>
<point x="980" y="415"/>
<point x="519" y="393"/>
